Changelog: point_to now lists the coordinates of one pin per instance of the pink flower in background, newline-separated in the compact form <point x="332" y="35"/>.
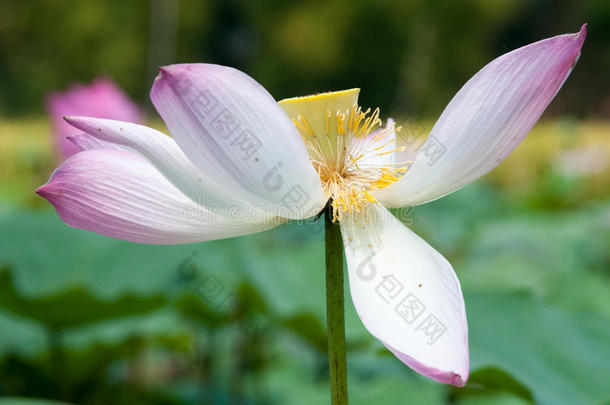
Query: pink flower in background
<point x="103" y="98"/>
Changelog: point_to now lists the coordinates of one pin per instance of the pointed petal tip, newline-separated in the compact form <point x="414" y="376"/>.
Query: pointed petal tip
<point x="583" y="29"/>
<point x="581" y="35"/>
<point x="445" y="377"/>
<point x="72" y="119"/>
<point x="166" y="74"/>
<point x="44" y="191"/>
<point x="168" y="70"/>
<point x="76" y="141"/>
<point x="75" y="121"/>
<point x="180" y="68"/>
<point x="458" y="381"/>
<point x="579" y="39"/>
<point x="86" y="124"/>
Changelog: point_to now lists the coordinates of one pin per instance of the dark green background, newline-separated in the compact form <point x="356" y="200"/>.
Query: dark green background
<point x="409" y="57"/>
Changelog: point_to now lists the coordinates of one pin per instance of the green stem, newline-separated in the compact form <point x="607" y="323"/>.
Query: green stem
<point x="335" y="311"/>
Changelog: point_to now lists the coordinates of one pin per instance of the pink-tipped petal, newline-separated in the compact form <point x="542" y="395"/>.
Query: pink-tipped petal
<point x="487" y="119"/>
<point x="120" y="194"/>
<point x="231" y="127"/>
<point x="407" y="295"/>
<point x="102" y="98"/>
<point x="445" y="377"/>
<point x="167" y="157"/>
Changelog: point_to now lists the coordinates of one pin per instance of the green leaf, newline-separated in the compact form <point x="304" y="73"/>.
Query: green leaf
<point x="194" y="307"/>
<point x="48" y="256"/>
<point x="562" y="258"/>
<point x="560" y="356"/>
<point x="309" y="328"/>
<point x="491" y="379"/>
<point x="73" y="307"/>
<point x="252" y="298"/>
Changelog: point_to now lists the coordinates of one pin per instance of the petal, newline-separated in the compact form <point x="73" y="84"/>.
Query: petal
<point x="120" y="194"/>
<point x="87" y="142"/>
<point x="231" y="127"/>
<point x="407" y="295"/>
<point x="487" y="119"/>
<point x="163" y="152"/>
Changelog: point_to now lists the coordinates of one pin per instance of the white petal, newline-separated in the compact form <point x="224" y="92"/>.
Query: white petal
<point x="120" y="194"/>
<point x="407" y="295"/>
<point x="230" y="126"/>
<point x="487" y="119"/>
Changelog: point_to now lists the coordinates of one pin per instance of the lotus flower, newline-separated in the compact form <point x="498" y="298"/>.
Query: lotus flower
<point x="239" y="162"/>
<point x="102" y="99"/>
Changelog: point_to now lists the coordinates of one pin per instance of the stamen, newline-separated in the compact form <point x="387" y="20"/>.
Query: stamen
<point x="344" y="164"/>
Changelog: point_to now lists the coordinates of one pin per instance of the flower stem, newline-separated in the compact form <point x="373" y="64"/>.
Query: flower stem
<point x="335" y="311"/>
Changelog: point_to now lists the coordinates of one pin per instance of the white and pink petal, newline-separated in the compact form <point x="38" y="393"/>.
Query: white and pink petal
<point x="163" y="152"/>
<point x="120" y="194"/>
<point x="407" y="295"/>
<point x="231" y="128"/>
<point x="487" y="119"/>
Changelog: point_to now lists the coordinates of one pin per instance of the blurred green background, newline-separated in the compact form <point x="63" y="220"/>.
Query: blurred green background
<point x="92" y="320"/>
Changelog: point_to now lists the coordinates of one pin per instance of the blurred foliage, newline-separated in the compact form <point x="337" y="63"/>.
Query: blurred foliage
<point x="408" y="57"/>
<point x="72" y="307"/>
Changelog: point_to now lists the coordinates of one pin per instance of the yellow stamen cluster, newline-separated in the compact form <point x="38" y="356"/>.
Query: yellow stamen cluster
<point x="344" y="156"/>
